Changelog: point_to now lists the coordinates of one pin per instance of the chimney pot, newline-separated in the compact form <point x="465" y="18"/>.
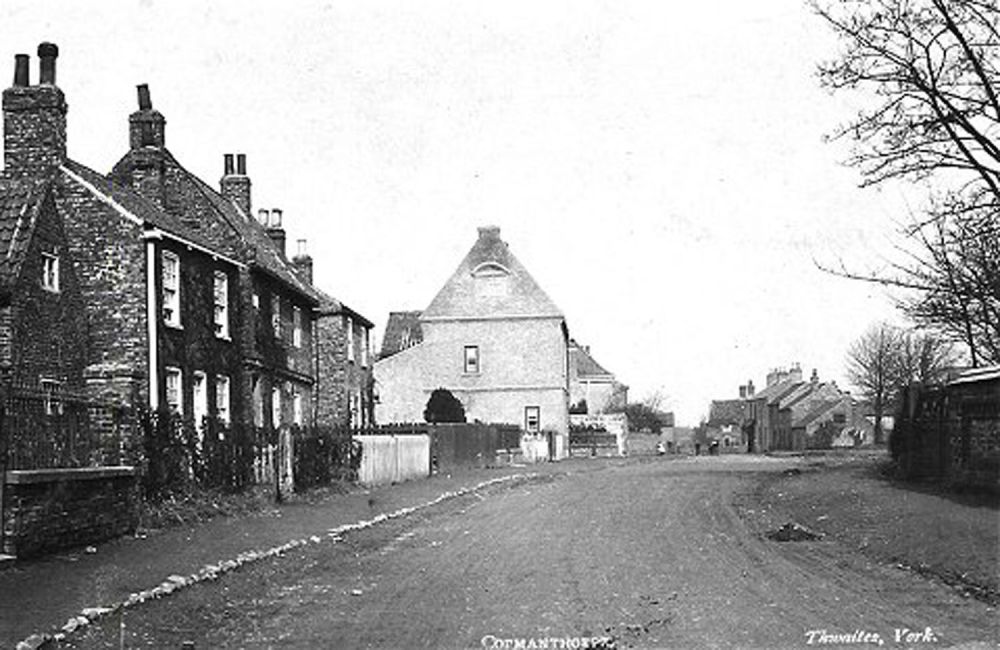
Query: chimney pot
<point x="241" y="164"/>
<point x="21" y="70"/>
<point x="227" y="164"/>
<point x="47" y="53"/>
<point x="301" y="248"/>
<point x="275" y="218"/>
<point x="263" y="216"/>
<point x="489" y="231"/>
<point x="145" y="103"/>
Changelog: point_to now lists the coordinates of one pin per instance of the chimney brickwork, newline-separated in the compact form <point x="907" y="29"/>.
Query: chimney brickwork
<point x="147" y="138"/>
<point x="303" y="263"/>
<point x="235" y="184"/>
<point x="34" y="117"/>
<point x="276" y="231"/>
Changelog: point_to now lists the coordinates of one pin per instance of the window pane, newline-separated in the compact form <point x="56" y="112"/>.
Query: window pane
<point x="471" y="358"/>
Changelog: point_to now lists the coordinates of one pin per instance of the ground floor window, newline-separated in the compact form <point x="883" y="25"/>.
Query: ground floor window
<point x="173" y="386"/>
<point x="532" y="419"/>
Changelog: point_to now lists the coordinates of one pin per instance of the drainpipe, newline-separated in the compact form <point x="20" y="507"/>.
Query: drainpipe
<point x="152" y="321"/>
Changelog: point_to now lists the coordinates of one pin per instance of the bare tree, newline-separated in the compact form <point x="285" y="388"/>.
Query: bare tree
<point x="886" y="358"/>
<point x="933" y="69"/>
<point x="924" y="357"/>
<point x="873" y="367"/>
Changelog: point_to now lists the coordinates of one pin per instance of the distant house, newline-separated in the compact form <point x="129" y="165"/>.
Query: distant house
<point x="792" y="414"/>
<point x="728" y="421"/>
<point x="492" y="337"/>
<point x="401" y="332"/>
<point x="592" y="389"/>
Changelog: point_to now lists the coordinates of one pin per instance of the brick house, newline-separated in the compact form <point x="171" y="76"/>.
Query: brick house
<point x="592" y="388"/>
<point x="493" y="338"/>
<point x="149" y="286"/>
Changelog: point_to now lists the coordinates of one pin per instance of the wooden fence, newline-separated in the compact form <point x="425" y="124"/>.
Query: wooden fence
<point x="393" y="458"/>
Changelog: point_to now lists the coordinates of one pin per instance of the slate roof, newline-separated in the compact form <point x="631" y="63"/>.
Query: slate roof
<point x="463" y="295"/>
<point x="727" y="411"/>
<point x="20" y="201"/>
<point x="402" y="331"/>
<point x="253" y="240"/>
<point x="135" y="204"/>
<point x="817" y="412"/>
<point x="586" y="365"/>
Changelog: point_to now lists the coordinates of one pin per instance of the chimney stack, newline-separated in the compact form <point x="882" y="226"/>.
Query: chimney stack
<point x="489" y="232"/>
<point x="303" y="262"/>
<point x="34" y="117"/>
<point x="276" y="232"/>
<point x="235" y="186"/>
<point x="147" y="126"/>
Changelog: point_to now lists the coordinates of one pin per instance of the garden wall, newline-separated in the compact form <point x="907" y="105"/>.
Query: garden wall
<point x="55" y="509"/>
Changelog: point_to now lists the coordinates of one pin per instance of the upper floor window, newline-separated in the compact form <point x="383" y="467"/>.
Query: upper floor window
<point x="276" y="315"/>
<point x="171" y="271"/>
<point x="364" y="347"/>
<point x="471" y="359"/>
<point x="296" y="327"/>
<point x="174" y="395"/>
<point x="350" y="339"/>
<point x="50" y="272"/>
<point x="222" y="399"/>
<point x="221" y="297"/>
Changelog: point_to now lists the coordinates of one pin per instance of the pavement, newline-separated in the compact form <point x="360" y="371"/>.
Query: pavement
<point x="40" y="596"/>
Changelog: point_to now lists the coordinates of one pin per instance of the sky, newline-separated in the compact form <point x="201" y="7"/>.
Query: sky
<point x="659" y="167"/>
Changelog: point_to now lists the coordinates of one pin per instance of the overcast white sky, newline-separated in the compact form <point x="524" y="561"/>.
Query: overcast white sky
<point x="658" y="167"/>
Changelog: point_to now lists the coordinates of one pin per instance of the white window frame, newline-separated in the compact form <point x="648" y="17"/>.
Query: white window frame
<point x="171" y="290"/>
<point x="220" y="298"/>
<point x="350" y="338"/>
<point x="276" y="406"/>
<point x="222" y="397"/>
<point x="470" y="362"/>
<point x="297" y="408"/>
<point x="296" y="326"/>
<point x="276" y="315"/>
<point x="50" y="272"/>
<point x="364" y="347"/>
<point x="528" y="412"/>
<point x="174" y="373"/>
<point x="199" y="399"/>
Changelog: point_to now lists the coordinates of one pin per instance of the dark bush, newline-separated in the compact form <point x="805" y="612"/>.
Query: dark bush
<point x="443" y="407"/>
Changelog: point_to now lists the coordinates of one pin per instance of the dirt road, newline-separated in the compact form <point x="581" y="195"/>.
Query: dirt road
<point x="649" y="554"/>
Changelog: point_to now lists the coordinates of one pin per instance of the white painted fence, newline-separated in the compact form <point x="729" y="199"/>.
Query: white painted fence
<point x="392" y="458"/>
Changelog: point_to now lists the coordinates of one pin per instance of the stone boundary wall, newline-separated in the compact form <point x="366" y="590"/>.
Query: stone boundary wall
<point x="55" y="509"/>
